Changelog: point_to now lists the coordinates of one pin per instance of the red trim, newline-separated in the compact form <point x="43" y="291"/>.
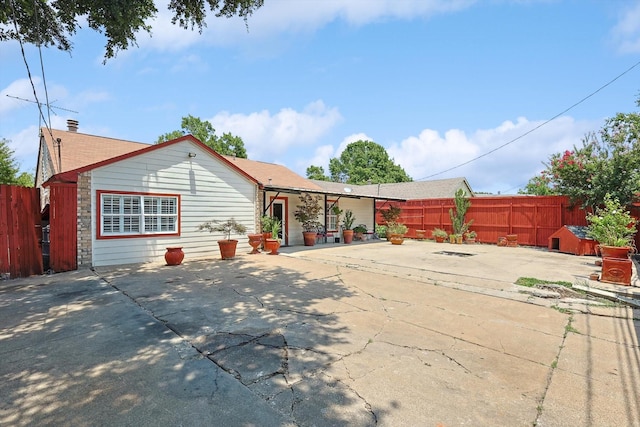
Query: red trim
<point x="99" y="235"/>
<point x="72" y="175"/>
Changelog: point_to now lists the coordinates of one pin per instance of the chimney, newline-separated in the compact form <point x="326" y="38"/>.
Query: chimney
<point x="72" y="125"/>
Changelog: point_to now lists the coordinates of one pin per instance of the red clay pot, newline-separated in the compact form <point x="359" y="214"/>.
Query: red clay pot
<point x="174" y="255"/>
<point x="227" y="248"/>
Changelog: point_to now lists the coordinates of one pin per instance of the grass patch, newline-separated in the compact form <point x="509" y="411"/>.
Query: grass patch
<point x="531" y="282"/>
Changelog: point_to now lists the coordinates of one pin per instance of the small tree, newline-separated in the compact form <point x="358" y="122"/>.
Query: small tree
<point x="390" y="215"/>
<point x="307" y="212"/>
<point x="224" y="227"/>
<point x="457" y="215"/>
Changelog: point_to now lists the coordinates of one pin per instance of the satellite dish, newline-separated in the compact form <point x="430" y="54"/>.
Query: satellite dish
<point x="347" y="190"/>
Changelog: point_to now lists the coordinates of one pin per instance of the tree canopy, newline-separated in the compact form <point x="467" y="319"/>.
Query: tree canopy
<point x="203" y="130"/>
<point x="53" y="23"/>
<point x="361" y="162"/>
<point x="9" y="168"/>
<point x="608" y="162"/>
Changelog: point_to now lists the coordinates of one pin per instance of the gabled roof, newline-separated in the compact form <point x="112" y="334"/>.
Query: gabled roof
<point x="72" y="175"/>
<point x="80" y="149"/>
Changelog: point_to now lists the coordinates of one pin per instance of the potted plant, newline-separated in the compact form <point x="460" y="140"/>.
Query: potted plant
<point x="266" y="222"/>
<point x="347" y="224"/>
<point x="358" y="231"/>
<point x="396" y="233"/>
<point x="273" y="243"/>
<point x="381" y="231"/>
<point x="613" y="228"/>
<point x="470" y="236"/>
<point x="227" y="245"/>
<point x="307" y="214"/>
<point x="439" y="234"/>
<point x="390" y="216"/>
<point x="461" y="205"/>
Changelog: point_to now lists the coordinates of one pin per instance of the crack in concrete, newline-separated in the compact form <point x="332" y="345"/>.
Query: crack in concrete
<point x="554" y="366"/>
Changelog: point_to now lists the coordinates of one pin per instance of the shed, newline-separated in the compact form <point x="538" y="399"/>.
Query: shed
<point x="572" y="239"/>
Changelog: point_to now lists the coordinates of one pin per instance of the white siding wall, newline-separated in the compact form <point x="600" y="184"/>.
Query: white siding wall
<point x="362" y="211"/>
<point x="208" y="188"/>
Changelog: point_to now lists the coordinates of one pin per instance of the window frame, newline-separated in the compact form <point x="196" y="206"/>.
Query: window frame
<point x="100" y="234"/>
<point x="331" y="215"/>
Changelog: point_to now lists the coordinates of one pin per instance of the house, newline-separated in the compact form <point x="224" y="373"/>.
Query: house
<point x="129" y="208"/>
<point x="114" y="202"/>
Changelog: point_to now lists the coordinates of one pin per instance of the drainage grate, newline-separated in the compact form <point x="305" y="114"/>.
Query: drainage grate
<point x="462" y="254"/>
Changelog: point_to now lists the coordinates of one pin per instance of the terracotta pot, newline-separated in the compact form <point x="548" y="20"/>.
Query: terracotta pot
<point x="358" y="236"/>
<point x="255" y="240"/>
<point x="272" y="246"/>
<point x="396" y="239"/>
<point x="617" y="271"/>
<point x="502" y="241"/>
<point x="265" y="236"/>
<point x="420" y="234"/>
<point x="227" y="248"/>
<point x="347" y="235"/>
<point x="309" y="237"/>
<point x="618" y="252"/>
<point x="440" y="239"/>
<point x="174" y="255"/>
<point x="512" y="240"/>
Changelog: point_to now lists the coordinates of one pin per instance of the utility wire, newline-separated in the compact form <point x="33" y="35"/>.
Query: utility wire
<point x="535" y="128"/>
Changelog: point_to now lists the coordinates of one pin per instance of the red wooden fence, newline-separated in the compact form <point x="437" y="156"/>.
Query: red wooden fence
<point x="532" y="218"/>
<point x="64" y="227"/>
<point x="20" y="231"/>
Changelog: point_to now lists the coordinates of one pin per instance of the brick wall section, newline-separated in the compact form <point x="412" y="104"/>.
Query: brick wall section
<point x="259" y="205"/>
<point x="84" y="220"/>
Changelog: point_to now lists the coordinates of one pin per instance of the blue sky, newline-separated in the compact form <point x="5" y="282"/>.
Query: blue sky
<point x="436" y="82"/>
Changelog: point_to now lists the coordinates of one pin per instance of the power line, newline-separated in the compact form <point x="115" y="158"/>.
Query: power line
<point x="535" y="128"/>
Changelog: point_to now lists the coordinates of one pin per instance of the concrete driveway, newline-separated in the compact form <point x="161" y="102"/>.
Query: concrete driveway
<point x="359" y="335"/>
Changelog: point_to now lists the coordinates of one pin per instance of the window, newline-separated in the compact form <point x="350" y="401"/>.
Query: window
<point x="332" y="220"/>
<point x="137" y="214"/>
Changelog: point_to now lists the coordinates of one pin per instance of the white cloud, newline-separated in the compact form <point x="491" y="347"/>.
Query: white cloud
<point x="626" y="33"/>
<point x="266" y="135"/>
<point x="20" y="88"/>
<point x="286" y="18"/>
<point x="430" y="155"/>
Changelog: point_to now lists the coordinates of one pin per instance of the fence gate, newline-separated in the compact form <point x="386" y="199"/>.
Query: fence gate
<point x="20" y="231"/>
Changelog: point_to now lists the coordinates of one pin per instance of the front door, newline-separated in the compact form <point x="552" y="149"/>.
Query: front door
<point x="278" y="209"/>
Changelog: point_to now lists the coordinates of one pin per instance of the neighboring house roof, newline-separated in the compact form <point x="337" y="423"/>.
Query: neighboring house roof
<point x="437" y="189"/>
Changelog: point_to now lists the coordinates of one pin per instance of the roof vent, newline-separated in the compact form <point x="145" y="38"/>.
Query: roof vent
<point x="72" y="125"/>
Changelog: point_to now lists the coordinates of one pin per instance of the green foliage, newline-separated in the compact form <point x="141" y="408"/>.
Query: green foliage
<point x="397" y="228"/>
<point x="266" y="223"/>
<point x="531" y="282"/>
<point x="390" y="215"/>
<point x="608" y="162"/>
<point x="53" y="23"/>
<point x="9" y="168"/>
<point x="381" y="230"/>
<point x="205" y="132"/>
<point x="307" y="212"/>
<point x="276" y="226"/>
<point x="349" y="218"/>
<point x="457" y="215"/>
<point x="439" y="232"/>
<point x="317" y="173"/>
<point x="225" y="227"/>
<point x="360" y="228"/>
<point x="364" y="162"/>
<point x="611" y="225"/>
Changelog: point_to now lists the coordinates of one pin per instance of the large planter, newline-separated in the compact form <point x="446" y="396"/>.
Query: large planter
<point x="255" y="240"/>
<point x="512" y="240"/>
<point x="618" y="252"/>
<point x="227" y="248"/>
<point x="272" y="245"/>
<point x="309" y="237"/>
<point x="347" y="235"/>
<point x="440" y="239"/>
<point x="174" y="255"/>
<point x="420" y="234"/>
<point x="396" y="239"/>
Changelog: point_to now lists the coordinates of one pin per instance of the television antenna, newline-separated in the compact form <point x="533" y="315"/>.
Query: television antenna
<point x="40" y="104"/>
